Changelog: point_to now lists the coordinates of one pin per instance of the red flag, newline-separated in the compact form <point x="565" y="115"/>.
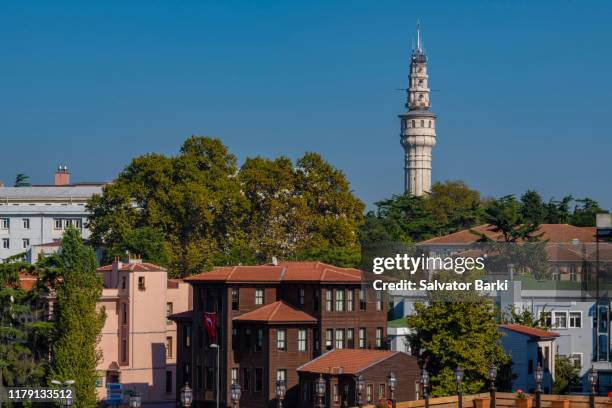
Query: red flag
<point x="210" y="321"/>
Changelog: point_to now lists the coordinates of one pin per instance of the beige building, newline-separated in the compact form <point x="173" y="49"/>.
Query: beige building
<point x="138" y="342"/>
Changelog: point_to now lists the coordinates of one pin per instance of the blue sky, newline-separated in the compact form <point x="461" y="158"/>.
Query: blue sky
<point x="522" y="88"/>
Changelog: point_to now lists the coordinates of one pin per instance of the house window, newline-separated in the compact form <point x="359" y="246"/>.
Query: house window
<point x="573" y="273"/>
<point x="258" y="379"/>
<point x="576" y="359"/>
<point x="575" y="320"/>
<point x="259" y="296"/>
<point x="259" y="339"/>
<point x="234" y="375"/>
<point x="235" y="299"/>
<point x="379" y="300"/>
<point x="560" y="319"/>
<point x="335" y="396"/>
<point x="168" y="382"/>
<point x="123" y="282"/>
<point x="329" y="334"/>
<point x="169" y="308"/>
<point x="339" y="338"/>
<point x="168" y="347"/>
<point x="349" y="300"/>
<point x="546" y="318"/>
<point x="281" y="339"/>
<point x="362" y="299"/>
<point x="362" y="338"/>
<point x="68" y="223"/>
<point x="301" y="296"/>
<point x="379" y="337"/>
<point x="369" y="393"/>
<point x="5" y="223"/>
<point x="381" y="391"/>
<point x="302" y="340"/>
<point x="141" y="283"/>
<point x="328" y="300"/>
<point x="26" y="223"/>
<point x="5" y="243"/>
<point x="187" y="336"/>
<point x="350" y="338"/>
<point x="78" y="223"/>
<point x="339" y="300"/>
<point x="246" y="379"/>
<point x="281" y="374"/>
<point x="25" y="243"/>
<point x="210" y="378"/>
<point x="57" y="223"/>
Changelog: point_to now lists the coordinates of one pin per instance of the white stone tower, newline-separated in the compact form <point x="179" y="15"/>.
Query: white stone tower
<point x="418" y="132"/>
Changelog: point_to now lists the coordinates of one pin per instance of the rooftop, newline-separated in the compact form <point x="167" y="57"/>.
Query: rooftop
<point x="133" y="267"/>
<point x="530" y="331"/>
<point x="550" y="232"/>
<point x="346" y="361"/>
<point x="74" y="191"/>
<point x="282" y="272"/>
<point x="276" y="313"/>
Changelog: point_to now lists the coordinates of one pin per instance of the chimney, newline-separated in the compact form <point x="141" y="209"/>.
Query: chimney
<point x="62" y="177"/>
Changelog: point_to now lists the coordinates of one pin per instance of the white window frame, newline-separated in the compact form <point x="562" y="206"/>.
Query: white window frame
<point x="6" y="243"/>
<point x="25" y="243"/>
<point x="5" y="223"/>
<point x="339" y="341"/>
<point x="573" y="358"/>
<point x="259" y="296"/>
<point x="554" y="320"/>
<point x="281" y="339"/>
<point x="301" y="346"/>
<point x="25" y="223"/>
<point x="379" y="337"/>
<point x="569" y="319"/>
<point x="329" y="300"/>
<point x="548" y="313"/>
<point x="58" y="224"/>
<point x="350" y="300"/>
<point x="339" y="300"/>
<point x="329" y="339"/>
<point x="362" y="339"/>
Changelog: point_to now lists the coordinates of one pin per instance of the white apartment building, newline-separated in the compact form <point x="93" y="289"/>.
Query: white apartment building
<point x="37" y="215"/>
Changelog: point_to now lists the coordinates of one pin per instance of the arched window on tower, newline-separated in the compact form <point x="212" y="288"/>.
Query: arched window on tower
<point x="413" y="124"/>
<point x="430" y="123"/>
<point x="422" y="123"/>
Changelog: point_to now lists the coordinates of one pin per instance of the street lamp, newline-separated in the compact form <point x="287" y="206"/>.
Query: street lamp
<point x="360" y="385"/>
<point x="321" y="390"/>
<point x="425" y="385"/>
<point x="391" y="383"/>
<point x="593" y="382"/>
<point x="65" y="398"/>
<point x="281" y="388"/>
<point x="235" y="393"/>
<point x="135" y="400"/>
<point x="492" y="378"/>
<point x="186" y="395"/>
<point x="458" y="380"/>
<point x="539" y="377"/>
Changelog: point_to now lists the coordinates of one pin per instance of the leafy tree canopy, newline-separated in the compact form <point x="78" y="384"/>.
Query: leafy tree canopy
<point x="21" y="180"/>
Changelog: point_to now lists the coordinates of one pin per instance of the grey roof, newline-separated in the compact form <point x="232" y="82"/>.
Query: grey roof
<point x="49" y="192"/>
<point x="418" y="113"/>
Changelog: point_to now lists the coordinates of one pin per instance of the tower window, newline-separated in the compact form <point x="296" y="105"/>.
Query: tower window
<point x="430" y="123"/>
<point x="422" y="123"/>
<point x="413" y="123"/>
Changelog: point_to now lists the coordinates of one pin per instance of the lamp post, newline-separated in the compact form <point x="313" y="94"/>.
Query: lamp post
<point x="458" y="380"/>
<point x="281" y="388"/>
<point x="425" y="385"/>
<point x="217" y="348"/>
<point x="539" y="377"/>
<point x="186" y="395"/>
<point x="391" y="383"/>
<point x="593" y="383"/>
<point x="360" y="385"/>
<point x="65" y="399"/>
<point x="492" y="378"/>
<point x="321" y="391"/>
<point x="236" y="392"/>
<point x="135" y="399"/>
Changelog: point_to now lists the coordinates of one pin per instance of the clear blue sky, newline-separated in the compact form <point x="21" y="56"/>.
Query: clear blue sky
<point x="523" y="88"/>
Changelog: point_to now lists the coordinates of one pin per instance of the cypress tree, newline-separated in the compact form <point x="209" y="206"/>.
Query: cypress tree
<point x="78" y="323"/>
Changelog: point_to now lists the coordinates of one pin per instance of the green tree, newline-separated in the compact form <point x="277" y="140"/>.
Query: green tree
<point x="566" y="375"/>
<point x="585" y="212"/>
<point x="21" y="180"/>
<point x="454" y="205"/>
<point x="77" y="321"/>
<point x="524" y="317"/>
<point x="147" y="242"/>
<point x="558" y="211"/>
<point x="533" y="209"/>
<point x="505" y="216"/>
<point x="20" y="365"/>
<point x="456" y="329"/>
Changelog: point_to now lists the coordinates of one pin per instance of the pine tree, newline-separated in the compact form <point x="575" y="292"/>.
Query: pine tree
<point x="78" y="323"/>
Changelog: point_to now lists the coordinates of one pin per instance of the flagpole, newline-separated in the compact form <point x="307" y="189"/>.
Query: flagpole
<point x="216" y="347"/>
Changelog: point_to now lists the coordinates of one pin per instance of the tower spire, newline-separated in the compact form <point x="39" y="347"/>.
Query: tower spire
<point x="419" y="48"/>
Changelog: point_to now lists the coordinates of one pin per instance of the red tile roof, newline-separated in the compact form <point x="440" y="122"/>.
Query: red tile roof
<point x="285" y="272"/>
<point x="276" y="313"/>
<point x="551" y="233"/>
<point x="133" y="267"/>
<point x="530" y="331"/>
<point x="346" y="361"/>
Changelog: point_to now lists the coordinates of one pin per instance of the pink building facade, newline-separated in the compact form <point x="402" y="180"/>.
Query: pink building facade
<point x="138" y="342"/>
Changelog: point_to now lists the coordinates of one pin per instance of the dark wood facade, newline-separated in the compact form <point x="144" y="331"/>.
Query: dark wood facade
<point x="249" y="351"/>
